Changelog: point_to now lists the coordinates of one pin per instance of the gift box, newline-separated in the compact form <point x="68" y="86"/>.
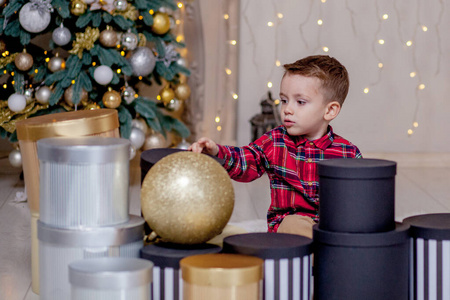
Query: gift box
<point x="167" y="282"/>
<point x="430" y="256"/>
<point x="101" y="122"/>
<point x="222" y="277"/>
<point x="370" y="266"/>
<point x="84" y="181"/>
<point x="61" y="246"/>
<point x="287" y="262"/>
<point x="357" y="195"/>
<point x="110" y="278"/>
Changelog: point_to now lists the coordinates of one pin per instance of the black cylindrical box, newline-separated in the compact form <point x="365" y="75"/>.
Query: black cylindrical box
<point x="357" y="195"/>
<point x="152" y="156"/>
<point x="430" y="256"/>
<point x="369" y="266"/>
<point x="167" y="281"/>
<point x="287" y="262"/>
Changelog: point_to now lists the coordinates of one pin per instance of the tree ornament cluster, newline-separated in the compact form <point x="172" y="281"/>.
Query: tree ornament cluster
<point x="62" y="55"/>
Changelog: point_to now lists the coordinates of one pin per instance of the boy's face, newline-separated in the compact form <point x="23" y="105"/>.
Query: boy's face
<point x="303" y="106"/>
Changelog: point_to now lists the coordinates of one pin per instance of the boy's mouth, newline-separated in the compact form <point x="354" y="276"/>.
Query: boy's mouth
<point x="288" y="122"/>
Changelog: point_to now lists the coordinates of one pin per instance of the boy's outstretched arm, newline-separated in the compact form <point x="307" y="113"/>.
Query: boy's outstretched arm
<point x="205" y="145"/>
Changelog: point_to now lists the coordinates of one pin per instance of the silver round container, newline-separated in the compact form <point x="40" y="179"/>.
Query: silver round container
<point x="58" y="247"/>
<point x="110" y="278"/>
<point x="84" y="181"/>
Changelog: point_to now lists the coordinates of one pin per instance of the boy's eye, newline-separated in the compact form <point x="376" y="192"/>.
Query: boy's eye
<point x="301" y="102"/>
<point x="284" y="101"/>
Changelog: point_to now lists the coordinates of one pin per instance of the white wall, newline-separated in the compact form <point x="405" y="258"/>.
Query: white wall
<point x="377" y="121"/>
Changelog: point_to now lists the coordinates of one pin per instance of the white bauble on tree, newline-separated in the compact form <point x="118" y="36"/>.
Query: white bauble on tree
<point x="17" y="102"/>
<point x="103" y="75"/>
<point x="35" y="16"/>
<point x="61" y="35"/>
<point x="142" y="61"/>
<point x="137" y="137"/>
<point x="141" y="124"/>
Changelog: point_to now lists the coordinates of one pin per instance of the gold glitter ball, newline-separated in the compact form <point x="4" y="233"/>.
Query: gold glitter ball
<point x="187" y="198"/>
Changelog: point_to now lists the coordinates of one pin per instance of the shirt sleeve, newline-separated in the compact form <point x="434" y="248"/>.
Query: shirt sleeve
<point x="247" y="163"/>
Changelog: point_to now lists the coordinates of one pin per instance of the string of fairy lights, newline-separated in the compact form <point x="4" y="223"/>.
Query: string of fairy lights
<point x="318" y="17"/>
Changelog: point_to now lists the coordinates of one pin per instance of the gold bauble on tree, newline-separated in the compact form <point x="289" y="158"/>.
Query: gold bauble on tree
<point x="187" y="198"/>
<point x="68" y="96"/>
<point x="161" y="23"/>
<point x="23" y="61"/>
<point x="166" y="94"/>
<point x="108" y="37"/>
<point x="78" y="7"/>
<point x="154" y="140"/>
<point x="111" y="98"/>
<point x="182" y="91"/>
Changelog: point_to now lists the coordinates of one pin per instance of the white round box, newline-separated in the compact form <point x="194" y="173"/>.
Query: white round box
<point x="84" y="181"/>
<point x="110" y="278"/>
<point x="59" y="247"/>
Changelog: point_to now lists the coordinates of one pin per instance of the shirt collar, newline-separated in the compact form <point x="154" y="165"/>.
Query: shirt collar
<point x="321" y="143"/>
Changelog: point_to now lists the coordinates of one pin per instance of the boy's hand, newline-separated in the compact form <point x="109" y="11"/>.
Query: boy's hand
<point x="205" y="145"/>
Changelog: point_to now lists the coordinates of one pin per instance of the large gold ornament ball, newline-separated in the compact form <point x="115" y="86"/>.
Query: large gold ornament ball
<point x="161" y="23"/>
<point x="187" y="198"/>
<point x="23" y="61"/>
<point x="182" y="91"/>
<point x="112" y="99"/>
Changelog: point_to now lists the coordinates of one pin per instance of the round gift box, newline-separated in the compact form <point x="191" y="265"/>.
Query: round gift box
<point x="110" y="278"/>
<point x="361" y="265"/>
<point x="167" y="282"/>
<point x="100" y="122"/>
<point x="357" y="195"/>
<point x="287" y="262"/>
<point x="430" y="256"/>
<point x="222" y="277"/>
<point x="61" y="246"/>
<point x="84" y="181"/>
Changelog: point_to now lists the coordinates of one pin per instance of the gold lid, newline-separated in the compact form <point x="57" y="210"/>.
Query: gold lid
<point x="221" y="270"/>
<point x="73" y="123"/>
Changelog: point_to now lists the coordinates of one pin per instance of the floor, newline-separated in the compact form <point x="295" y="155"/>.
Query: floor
<point x="418" y="190"/>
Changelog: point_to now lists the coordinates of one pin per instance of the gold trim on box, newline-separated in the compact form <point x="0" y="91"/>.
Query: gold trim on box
<point x="222" y="270"/>
<point x="73" y="123"/>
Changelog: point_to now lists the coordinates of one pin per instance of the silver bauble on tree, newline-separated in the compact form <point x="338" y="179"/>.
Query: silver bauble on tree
<point x="28" y="93"/>
<point x="137" y="137"/>
<point x="120" y="5"/>
<point x="142" y="61"/>
<point x="129" y="40"/>
<point x="128" y="94"/>
<point x="56" y="63"/>
<point x="61" y="35"/>
<point x="35" y="15"/>
<point x="15" y="158"/>
<point x="43" y="94"/>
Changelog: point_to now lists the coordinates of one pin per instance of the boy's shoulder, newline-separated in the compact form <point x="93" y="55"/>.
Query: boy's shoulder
<point x="337" y="139"/>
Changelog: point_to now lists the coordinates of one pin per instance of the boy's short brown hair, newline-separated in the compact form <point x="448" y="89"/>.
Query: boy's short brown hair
<point x="330" y="71"/>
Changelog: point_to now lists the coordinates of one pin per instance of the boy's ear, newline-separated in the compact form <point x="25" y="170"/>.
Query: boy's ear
<point x="332" y="110"/>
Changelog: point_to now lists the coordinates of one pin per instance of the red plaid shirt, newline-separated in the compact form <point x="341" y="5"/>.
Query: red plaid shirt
<point x="291" y="164"/>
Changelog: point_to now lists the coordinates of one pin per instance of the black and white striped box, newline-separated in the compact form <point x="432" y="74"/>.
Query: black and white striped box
<point x="287" y="262"/>
<point x="430" y="256"/>
<point x="167" y="282"/>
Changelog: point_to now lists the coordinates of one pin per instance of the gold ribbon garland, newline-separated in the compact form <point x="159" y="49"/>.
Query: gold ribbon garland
<point x="130" y="13"/>
<point x="84" y="41"/>
<point x="4" y="61"/>
<point x="8" y="118"/>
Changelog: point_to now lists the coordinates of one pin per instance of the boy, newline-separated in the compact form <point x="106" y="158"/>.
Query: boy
<point x="312" y="92"/>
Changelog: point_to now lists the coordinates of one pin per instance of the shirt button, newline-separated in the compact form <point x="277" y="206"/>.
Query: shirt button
<point x="311" y="143"/>
<point x="310" y="183"/>
<point x="309" y="160"/>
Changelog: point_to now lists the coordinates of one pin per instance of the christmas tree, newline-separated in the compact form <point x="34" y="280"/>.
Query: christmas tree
<point x="60" y="55"/>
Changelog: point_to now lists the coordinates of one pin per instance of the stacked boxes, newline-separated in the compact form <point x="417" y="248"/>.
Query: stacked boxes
<point x="84" y="207"/>
<point x="359" y="250"/>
